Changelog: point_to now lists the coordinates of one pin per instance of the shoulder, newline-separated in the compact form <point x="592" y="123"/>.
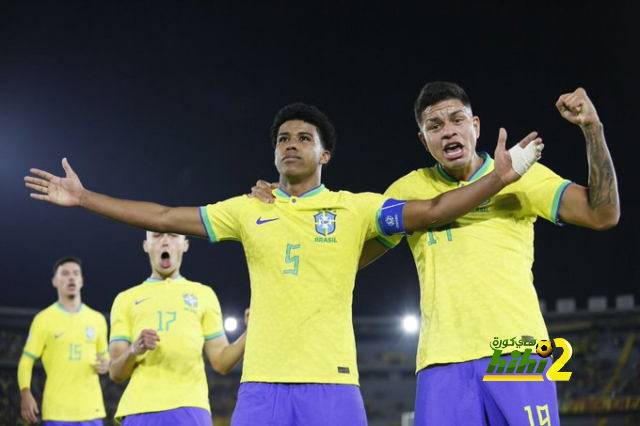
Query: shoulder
<point x="238" y="201"/>
<point x="43" y="317"/>
<point x="50" y="310"/>
<point x="199" y="288"/>
<point x="89" y="310"/>
<point x="538" y="172"/>
<point x="424" y="174"/>
<point x="94" y="313"/>
<point x="128" y="293"/>
<point x="362" y="202"/>
<point x="411" y="181"/>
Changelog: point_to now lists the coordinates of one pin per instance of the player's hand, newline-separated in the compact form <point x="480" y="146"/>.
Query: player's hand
<point x="263" y="191"/>
<point x="147" y="341"/>
<point x="246" y="317"/>
<point x="66" y="191"/>
<point x="102" y="364"/>
<point x="28" y="407"/>
<point x="577" y="108"/>
<point x="511" y="165"/>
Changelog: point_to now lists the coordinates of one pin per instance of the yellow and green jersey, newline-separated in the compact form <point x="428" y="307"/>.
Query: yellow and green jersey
<point x="302" y="254"/>
<point x="68" y="344"/>
<point x="185" y="314"/>
<point x="476" y="283"/>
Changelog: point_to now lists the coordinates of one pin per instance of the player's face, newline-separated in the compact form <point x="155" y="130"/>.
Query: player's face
<point x="68" y="279"/>
<point x="299" y="151"/>
<point x="165" y="251"/>
<point x="449" y="131"/>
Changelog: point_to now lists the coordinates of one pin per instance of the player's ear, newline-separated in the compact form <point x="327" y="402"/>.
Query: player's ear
<point x="476" y="125"/>
<point x="145" y="246"/>
<point x="186" y="246"/>
<point x="423" y="140"/>
<point x="325" y="157"/>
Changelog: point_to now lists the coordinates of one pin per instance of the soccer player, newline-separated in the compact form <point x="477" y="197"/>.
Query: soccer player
<point x="158" y="330"/>
<point x="71" y="339"/>
<point x="475" y="273"/>
<point x="302" y="252"/>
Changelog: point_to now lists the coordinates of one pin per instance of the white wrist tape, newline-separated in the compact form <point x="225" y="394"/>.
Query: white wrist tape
<point x="523" y="158"/>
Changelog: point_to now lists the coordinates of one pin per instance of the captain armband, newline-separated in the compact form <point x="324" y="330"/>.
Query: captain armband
<point x="390" y="217"/>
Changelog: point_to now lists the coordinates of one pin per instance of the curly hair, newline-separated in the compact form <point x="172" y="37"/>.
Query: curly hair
<point x="309" y="114"/>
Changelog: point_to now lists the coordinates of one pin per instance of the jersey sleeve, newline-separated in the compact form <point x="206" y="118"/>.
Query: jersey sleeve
<point x="222" y="220"/>
<point x="25" y="369"/>
<point x="368" y="205"/>
<point x="36" y="339"/>
<point x="543" y="191"/>
<point x="391" y="241"/>
<point x="212" y="319"/>
<point x="120" y="321"/>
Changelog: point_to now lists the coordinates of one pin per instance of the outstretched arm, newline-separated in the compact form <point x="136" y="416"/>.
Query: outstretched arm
<point x="69" y="192"/>
<point x="447" y="207"/>
<point x="598" y="206"/>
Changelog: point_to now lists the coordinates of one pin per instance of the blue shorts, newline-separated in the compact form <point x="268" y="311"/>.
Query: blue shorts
<point x="96" y="422"/>
<point x="183" y="416"/>
<point x="277" y="404"/>
<point x="454" y="394"/>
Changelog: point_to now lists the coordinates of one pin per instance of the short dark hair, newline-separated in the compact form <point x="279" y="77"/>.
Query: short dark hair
<point x="66" y="259"/>
<point x="438" y="91"/>
<point x="309" y="114"/>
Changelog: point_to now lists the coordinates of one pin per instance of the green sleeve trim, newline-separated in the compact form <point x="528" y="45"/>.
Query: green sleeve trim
<point x="385" y="242"/>
<point x="555" y="205"/>
<point x="204" y="217"/>
<point x="30" y="355"/>
<point x="120" y="339"/>
<point x="214" y="335"/>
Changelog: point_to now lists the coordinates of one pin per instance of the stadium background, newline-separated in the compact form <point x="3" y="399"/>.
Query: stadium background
<point x="172" y="102"/>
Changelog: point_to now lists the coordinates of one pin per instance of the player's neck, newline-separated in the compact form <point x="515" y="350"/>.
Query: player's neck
<point x="70" y="304"/>
<point x="297" y="188"/>
<point x="158" y="275"/>
<point x="465" y="173"/>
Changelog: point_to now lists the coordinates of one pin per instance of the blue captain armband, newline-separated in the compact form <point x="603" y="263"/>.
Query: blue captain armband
<point x="390" y="217"/>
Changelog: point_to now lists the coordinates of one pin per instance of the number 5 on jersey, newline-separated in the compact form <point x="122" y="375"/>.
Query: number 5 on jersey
<point x="294" y="260"/>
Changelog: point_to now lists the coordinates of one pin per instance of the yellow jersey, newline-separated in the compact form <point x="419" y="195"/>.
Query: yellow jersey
<point x="302" y="254"/>
<point x="476" y="283"/>
<point x="68" y="344"/>
<point x="185" y="314"/>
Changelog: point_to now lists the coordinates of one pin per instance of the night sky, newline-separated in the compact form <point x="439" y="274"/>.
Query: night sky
<point x="172" y="102"/>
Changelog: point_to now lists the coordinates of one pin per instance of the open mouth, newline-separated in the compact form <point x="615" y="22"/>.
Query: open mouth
<point x="453" y="150"/>
<point x="165" y="259"/>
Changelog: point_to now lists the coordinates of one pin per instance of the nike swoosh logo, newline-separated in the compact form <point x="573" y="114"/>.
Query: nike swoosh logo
<point x="260" y="221"/>
<point x="140" y="301"/>
<point x="56" y="336"/>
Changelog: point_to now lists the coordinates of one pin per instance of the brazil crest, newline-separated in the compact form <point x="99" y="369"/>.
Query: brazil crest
<point x="325" y="223"/>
